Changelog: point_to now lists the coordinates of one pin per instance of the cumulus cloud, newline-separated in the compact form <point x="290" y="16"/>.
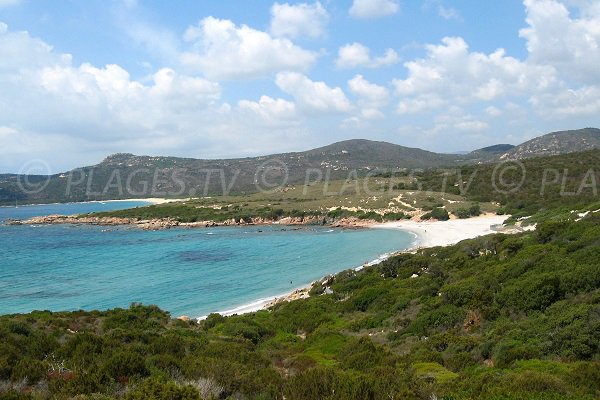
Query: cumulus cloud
<point x="299" y="20"/>
<point x="311" y="95"/>
<point x="355" y="55"/>
<point x="420" y="103"/>
<point x="271" y="111"/>
<point x="371" y="98"/>
<point x="582" y="102"/>
<point x="92" y="111"/>
<point x="451" y="72"/>
<point x="222" y="50"/>
<point x="570" y="45"/>
<point x="370" y="94"/>
<point x="365" y="9"/>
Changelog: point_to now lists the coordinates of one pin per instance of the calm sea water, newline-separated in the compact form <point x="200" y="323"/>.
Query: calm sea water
<point x="185" y="271"/>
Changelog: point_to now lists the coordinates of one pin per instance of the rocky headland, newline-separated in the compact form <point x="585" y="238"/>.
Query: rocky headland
<point x="168" y="223"/>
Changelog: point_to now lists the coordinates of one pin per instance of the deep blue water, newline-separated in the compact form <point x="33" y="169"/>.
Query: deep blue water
<point x="185" y="271"/>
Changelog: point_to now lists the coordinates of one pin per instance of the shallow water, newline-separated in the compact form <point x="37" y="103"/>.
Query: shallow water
<point x="185" y="271"/>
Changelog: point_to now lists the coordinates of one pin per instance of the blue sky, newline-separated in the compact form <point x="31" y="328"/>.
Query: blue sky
<point x="83" y="79"/>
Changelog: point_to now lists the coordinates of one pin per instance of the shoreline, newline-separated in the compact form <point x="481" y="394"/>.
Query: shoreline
<point x="427" y="234"/>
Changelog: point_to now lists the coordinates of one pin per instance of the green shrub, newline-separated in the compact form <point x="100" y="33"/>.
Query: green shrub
<point x="157" y="390"/>
<point x="437" y="213"/>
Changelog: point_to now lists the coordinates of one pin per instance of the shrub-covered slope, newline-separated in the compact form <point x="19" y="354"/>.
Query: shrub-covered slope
<point x="499" y="317"/>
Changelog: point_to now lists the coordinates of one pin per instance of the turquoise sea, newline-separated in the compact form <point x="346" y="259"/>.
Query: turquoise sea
<point x="185" y="271"/>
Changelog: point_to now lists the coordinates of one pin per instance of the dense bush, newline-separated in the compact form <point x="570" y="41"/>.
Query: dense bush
<point x="437" y="213"/>
<point x="498" y="317"/>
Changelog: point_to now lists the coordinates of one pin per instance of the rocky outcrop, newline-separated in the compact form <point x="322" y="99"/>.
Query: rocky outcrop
<point x="295" y="295"/>
<point x="153" y="224"/>
<point x="353" y="222"/>
<point x="167" y="223"/>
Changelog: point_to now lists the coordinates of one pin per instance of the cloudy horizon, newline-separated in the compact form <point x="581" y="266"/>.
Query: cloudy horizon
<point x="80" y="81"/>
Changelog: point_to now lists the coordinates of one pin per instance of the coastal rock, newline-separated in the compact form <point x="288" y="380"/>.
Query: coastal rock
<point x="353" y="222"/>
<point x="64" y="219"/>
<point x="297" y="294"/>
<point x="285" y="221"/>
<point x="328" y="280"/>
<point x="156" y="225"/>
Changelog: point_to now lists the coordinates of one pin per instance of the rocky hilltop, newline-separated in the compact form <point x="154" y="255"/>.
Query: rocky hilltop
<point x="556" y="143"/>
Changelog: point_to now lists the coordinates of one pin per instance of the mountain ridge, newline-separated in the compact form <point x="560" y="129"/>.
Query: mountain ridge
<point x="165" y="176"/>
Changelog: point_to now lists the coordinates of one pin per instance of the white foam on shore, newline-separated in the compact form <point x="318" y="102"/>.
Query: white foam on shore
<point x="243" y="309"/>
<point x="254" y="306"/>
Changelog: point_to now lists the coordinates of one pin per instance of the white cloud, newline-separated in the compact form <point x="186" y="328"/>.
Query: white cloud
<point x="371" y="98"/>
<point x="569" y="103"/>
<point x="371" y="113"/>
<point x="271" y="111"/>
<point x="371" y="94"/>
<point x="493" y="111"/>
<point x="355" y="55"/>
<point x="20" y="51"/>
<point x="452" y="73"/>
<point x="570" y="45"/>
<point x="455" y="121"/>
<point x="313" y="96"/>
<point x="222" y="50"/>
<point x="51" y="107"/>
<point x="448" y="12"/>
<point x="373" y="8"/>
<point x="299" y="20"/>
<point x="471" y="125"/>
<point x="420" y="103"/>
<point x="111" y="91"/>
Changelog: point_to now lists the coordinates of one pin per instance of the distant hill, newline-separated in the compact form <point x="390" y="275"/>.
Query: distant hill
<point x="495" y="149"/>
<point x="489" y="154"/>
<point x="125" y="175"/>
<point x="362" y="153"/>
<point x="555" y="143"/>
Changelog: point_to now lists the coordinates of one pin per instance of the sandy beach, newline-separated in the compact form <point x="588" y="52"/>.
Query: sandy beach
<point x="445" y="233"/>
<point x="428" y="234"/>
<point x="153" y="200"/>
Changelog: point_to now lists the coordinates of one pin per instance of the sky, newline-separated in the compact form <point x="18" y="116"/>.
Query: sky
<point x="80" y="80"/>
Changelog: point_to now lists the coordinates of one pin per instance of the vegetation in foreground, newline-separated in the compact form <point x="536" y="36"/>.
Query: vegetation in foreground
<point x="498" y="317"/>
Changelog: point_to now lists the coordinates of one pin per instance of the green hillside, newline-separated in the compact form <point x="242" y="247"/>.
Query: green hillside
<point x="126" y="175"/>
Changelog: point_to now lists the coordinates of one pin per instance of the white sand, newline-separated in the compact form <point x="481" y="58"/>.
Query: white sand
<point x="153" y="200"/>
<point x="444" y="233"/>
